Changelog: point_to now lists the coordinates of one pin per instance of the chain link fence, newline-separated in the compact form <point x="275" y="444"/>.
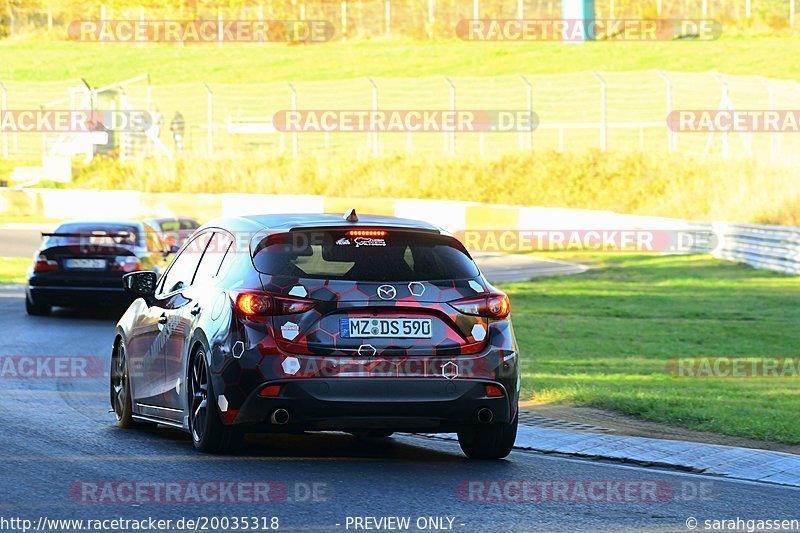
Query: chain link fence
<point x="422" y="19"/>
<point x="576" y="111"/>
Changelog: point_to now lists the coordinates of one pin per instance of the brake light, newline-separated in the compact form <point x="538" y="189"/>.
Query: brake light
<point x="125" y="263"/>
<point x="43" y="264"/>
<point x="366" y="233"/>
<point x="492" y="306"/>
<point x="258" y="304"/>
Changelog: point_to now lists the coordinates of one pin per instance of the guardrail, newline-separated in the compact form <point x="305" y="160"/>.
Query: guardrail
<point x="760" y="246"/>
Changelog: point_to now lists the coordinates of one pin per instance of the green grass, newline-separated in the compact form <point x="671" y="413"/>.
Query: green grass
<point x="602" y="339"/>
<point x="12" y="269"/>
<point x="60" y="60"/>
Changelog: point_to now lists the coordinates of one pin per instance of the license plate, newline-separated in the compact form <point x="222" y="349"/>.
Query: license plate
<point x="85" y="264"/>
<point x="396" y="328"/>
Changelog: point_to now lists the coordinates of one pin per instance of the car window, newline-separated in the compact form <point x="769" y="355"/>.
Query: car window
<point x="94" y="233"/>
<point x="181" y="271"/>
<point x="152" y="239"/>
<point x="213" y="257"/>
<point x="364" y="255"/>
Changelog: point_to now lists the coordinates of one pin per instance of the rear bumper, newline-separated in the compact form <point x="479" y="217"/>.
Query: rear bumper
<point x="425" y="404"/>
<point x="78" y="296"/>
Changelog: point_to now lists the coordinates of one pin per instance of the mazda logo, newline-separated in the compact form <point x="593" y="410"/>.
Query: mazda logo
<point x="387" y="292"/>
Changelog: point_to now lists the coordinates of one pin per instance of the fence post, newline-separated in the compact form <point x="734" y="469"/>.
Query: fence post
<point x="453" y="109"/>
<point x="659" y="7"/>
<point x="295" y="140"/>
<point x="375" y="140"/>
<point x="210" y="119"/>
<point x="219" y="26"/>
<point x="149" y="93"/>
<point x="520" y="9"/>
<point x="603" y="112"/>
<point x="387" y="13"/>
<point x="344" y="21"/>
<point x="773" y="137"/>
<point x="529" y="101"/>
<point x="705" y="8"/>
<point x="102" y="21"/>
<point x="476" y="11"/>
<point x="671" y="135"/>
<point x="431" y="19"/>
<point x="791" y="13"/>
<point x="4" y="107"/>
<point x="747" y="8"/>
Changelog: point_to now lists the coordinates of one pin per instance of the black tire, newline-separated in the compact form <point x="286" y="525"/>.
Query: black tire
<point x="37" y="309"/>
<point x="120" y="388"/>
<point x="208" y="433"/>
<point x="490" y="441"/>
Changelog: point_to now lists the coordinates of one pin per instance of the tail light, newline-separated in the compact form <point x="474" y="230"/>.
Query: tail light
<point x="43" y="264"/>
<point x="254" y="304"/>
<point x="492" y="306"/>
<point x="126" y="263"/>
<point x="493" y="391"/>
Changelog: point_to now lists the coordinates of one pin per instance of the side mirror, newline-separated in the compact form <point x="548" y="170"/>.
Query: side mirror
<point x="141" y="283"/>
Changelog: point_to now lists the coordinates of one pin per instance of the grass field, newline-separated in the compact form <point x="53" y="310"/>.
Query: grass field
<point x="34" y="60"/>
<point x="603" y="338"/>
<point x="12" y="269"/>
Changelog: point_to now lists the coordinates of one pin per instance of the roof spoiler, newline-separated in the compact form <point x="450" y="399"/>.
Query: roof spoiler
<point x="98" y="233"/>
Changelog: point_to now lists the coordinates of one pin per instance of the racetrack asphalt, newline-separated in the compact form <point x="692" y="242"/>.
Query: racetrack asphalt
<point x="63" y="457"/>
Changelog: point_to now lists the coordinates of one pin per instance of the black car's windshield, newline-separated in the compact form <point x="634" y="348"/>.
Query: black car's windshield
<point x="102" y="233"/>
<point x="364" y="255"/>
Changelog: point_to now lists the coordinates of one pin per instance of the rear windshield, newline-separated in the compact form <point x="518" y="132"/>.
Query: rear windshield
<point x="364" y="255"/>
<point x="102" y="234"/>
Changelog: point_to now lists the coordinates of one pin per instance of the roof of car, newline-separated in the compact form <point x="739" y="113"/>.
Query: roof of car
<point x="311" y="220"/>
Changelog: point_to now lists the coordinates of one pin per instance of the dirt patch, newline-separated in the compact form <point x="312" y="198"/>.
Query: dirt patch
<point x="618" y="424"/>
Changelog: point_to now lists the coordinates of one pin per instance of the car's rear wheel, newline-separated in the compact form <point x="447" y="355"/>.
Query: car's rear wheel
<point x="489" y="441"/>
<point x="37" y="308"/>
<point x="208" y="432"/>
<point x="121" y="388"/>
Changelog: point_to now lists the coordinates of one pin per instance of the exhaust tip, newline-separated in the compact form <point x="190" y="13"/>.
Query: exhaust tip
<point x="485" y="415"/>
<point x="279" y="416"/>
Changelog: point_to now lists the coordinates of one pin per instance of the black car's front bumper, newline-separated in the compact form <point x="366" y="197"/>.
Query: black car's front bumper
<point x="398" y="404"/>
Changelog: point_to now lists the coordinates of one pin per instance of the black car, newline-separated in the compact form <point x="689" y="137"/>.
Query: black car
<point x="290" y="323"/>
<point x="81" y="263"/>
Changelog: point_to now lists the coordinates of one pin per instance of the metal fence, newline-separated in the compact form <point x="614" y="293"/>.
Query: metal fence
<point x="393" y="18"/>
<point x="576" y="111"/>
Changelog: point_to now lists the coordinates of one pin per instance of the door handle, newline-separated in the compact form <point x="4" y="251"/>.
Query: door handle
<point x="163" y="318"/>
<point x="195" y="310"/>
